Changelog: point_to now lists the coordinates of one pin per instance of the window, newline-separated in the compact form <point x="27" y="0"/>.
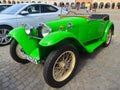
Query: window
<point x="33" y="9"/>
<point x="13" y="9"/>
<point x="2" y="7"/>
<point x="48" y="9"/>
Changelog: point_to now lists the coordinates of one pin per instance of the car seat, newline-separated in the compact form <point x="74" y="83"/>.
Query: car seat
<point x="29" y="10"/>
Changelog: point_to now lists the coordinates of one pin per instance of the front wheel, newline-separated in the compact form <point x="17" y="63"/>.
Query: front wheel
<point x="17" y="53"/>
<point x="60" y="66"/>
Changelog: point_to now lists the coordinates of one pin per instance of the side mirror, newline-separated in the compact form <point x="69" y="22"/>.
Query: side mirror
<point x="24" y="13"/>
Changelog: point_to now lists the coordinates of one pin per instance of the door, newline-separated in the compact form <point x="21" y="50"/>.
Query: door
<point x="49" y="12"/>
<point x="96" y="29"/>
<point x="33" y="17"/>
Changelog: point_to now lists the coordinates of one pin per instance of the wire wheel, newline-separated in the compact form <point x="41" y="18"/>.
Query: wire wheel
<point x="19" y="52"/>
<point x="64" y="66"/>
<point x="109" y="36"/>
<point x="60" y="65"/>
<point x="108" y="39"/>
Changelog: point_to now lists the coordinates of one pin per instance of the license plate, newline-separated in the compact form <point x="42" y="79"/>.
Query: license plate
<point x="31" y="59"/>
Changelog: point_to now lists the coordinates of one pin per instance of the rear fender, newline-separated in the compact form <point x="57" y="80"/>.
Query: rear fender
<point x="109" y="25"/>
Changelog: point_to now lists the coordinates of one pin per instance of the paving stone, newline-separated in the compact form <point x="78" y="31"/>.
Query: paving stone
<point x="20" y="87"/>
<point x="12" y="86"/>
<point x="5" y="79"/>
<point x="5" y="84"/>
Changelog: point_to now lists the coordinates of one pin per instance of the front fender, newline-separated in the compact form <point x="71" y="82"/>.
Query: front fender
<point x="109" y="25"/>
<point x="17" y="33"/>
<point x="55" y="37"/>
<point x="27" y="44"/>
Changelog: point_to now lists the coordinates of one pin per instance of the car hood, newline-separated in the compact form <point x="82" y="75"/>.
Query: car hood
<point x="7" y="16"/>
<point x="55" y="24"/>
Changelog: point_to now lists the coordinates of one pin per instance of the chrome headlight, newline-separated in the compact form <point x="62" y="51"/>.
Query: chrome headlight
<point x="28" y="29"/>
<point x="45" y="30"/>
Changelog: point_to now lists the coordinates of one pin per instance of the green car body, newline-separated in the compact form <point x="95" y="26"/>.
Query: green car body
<point x="82" y="34"/>
<point x="85" y="34"/>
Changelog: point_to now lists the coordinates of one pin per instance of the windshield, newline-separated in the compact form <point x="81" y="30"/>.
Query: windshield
<point x="13" y="9"/>
<point x="2" y="7"/>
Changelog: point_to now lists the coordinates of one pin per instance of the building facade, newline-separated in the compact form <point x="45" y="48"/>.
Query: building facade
<point x="101" y="4"/>
<point x="13" y="1"/>
<point x="107" y="4"/>
<point x="59" y="2"/>
<point x="113" y="4"/>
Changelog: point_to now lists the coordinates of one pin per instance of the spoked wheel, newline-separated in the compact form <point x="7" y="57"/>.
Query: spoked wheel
<point x="108" y="40"/>
<point x="17" y="53"/>
<point x="4" y="38"/>
<point x="60" y="66"/>
<point x="20" y="52"/>
<point x="64" y="66"/>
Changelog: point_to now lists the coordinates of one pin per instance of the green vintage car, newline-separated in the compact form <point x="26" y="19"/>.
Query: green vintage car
<point x="59" y="42"/>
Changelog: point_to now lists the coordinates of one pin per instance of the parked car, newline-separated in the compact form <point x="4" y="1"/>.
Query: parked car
<point x="59" y="42"/>
<point x="31" y="13"/>
<point x="4" y="6"/>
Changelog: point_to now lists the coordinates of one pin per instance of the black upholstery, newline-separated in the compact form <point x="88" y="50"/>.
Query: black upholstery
<point x="29" y="10"/>
<point x="99" y="16"/>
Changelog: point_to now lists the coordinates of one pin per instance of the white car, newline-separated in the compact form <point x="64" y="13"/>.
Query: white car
<point x="26" y="13"/>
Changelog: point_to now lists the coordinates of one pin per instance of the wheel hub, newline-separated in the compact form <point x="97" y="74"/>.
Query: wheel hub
<point x="67" y="66"/>
<point x="4" y="38"/>
<point x="64" y="65"/>
<point x="3" y="35"/>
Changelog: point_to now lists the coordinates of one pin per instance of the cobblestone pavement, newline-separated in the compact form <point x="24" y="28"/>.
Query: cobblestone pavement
<point x="97" y="71"/>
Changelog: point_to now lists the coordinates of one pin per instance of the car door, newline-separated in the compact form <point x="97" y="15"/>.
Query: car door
<point x="33" y="17"/>
<point x="96" y="29"/>
<point x="49" y="12"/>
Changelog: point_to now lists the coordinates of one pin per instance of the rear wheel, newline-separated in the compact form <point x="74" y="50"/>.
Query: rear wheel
<point x="60" y="65"/>
<point x="4" y="38"/>
<point x="108" y="40"/>
<point x="17" y="53"/>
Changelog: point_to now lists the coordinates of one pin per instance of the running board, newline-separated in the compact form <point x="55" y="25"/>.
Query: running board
<point x="91" y="47"/>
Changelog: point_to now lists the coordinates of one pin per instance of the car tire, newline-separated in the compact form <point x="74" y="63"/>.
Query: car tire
<point x="4" y="38"/>
<point x="60" y="65"/>
<point x="16" y="53"/>
<point x="108" y="39"/>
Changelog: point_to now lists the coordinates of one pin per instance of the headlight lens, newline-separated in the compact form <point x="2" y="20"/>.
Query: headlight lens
<point x="46" y="30"/>
<point x="28" y="28"/>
